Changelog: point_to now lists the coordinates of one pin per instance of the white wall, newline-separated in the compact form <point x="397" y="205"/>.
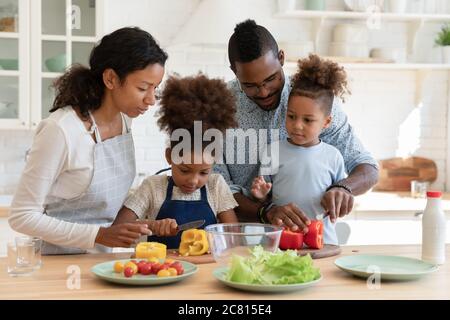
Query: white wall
<point x="382" y="104"/>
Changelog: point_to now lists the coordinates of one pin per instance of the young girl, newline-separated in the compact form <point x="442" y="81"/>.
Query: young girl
<point x="306" y="166"/>
<point x="192" y="192"/>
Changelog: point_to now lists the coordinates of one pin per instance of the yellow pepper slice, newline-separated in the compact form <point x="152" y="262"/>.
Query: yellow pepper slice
<point x="147" y="250"/>
<point x="194" y="242"/>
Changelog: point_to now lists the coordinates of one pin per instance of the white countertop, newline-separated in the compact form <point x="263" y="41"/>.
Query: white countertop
<point x="394" y="202"/>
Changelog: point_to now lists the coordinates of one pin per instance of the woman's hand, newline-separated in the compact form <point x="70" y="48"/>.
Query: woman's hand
<point x="122" y="235"/>
<point x="260" y="188"/>
<point x="164" y="227"/>
<point x="289" y="215"/>
<point x="337" y="202"/>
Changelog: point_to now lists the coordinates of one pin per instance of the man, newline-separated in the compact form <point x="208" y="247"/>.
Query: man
<point x="262" y="90"/>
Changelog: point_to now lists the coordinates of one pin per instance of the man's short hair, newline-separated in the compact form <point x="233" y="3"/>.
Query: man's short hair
<point x="249" y="42"/>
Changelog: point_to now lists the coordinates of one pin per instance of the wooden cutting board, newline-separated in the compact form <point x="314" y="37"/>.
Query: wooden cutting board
<point x="396" y="174"/>
<point x="205" y="258"/>
<point x="173" y="254"/>
<point x="328" y="250"/>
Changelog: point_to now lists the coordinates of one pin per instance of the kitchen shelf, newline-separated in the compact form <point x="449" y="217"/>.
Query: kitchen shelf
<point x="405" y="17"/>
<point x="373" y="20"/>
<point x="384" y="66"/>
<point x="9" y="35"/>
<point x="68" y="38"/>
<point x="51" y="75"/>
<point x="9" y="73"/>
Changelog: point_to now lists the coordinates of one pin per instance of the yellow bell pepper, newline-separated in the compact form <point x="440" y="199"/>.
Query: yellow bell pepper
<point x="194" y="242"/>
<point x="147" y="250"/>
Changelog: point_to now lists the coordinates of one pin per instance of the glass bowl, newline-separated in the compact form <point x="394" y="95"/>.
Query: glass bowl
<point x="226" y="239"/>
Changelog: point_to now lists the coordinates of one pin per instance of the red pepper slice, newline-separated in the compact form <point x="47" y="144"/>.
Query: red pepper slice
<point x="291" y="240"/>
<point x="314" y="237"/>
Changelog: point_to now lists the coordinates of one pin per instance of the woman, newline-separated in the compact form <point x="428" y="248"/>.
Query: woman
<point x="81" y="164"/>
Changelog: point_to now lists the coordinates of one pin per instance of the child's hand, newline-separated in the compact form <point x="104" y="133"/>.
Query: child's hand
<point x="260" y="188"/>
<point x="164" y="227"/>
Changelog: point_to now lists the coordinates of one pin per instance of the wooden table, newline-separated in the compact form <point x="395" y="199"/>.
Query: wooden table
<point x="50" y="282"/>
<point x="4" y="212"/>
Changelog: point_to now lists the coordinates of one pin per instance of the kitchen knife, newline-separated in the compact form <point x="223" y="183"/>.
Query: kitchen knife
<point x="321" y="216"/>
<point x="191" y="225"/>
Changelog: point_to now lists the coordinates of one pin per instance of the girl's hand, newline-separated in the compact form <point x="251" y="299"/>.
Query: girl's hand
<point x="260" y="188"/>
<point x="122" y="235"/>
<point x="164" y="227"/>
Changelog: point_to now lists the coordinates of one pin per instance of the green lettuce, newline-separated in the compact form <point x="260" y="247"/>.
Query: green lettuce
<point x="264" y="267"/>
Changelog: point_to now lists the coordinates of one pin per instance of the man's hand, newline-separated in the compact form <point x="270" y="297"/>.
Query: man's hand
<point x="122" y="235"/>
<point x="289" y="215"/>
<point x="337" y="203"/>
<point x="260" y="188"/>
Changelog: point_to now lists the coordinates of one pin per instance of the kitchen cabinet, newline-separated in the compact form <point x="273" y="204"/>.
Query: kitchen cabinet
<point x="47" y="36"/>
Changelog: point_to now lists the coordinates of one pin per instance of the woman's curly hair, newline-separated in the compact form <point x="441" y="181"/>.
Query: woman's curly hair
<point x="196" y="98"/>
<point x="321" y="80"/>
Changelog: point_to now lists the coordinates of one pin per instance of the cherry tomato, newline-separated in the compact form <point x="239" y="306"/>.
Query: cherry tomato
<point x="128" y="272"/>
<point x="146" y="269"/>
<point x="173" y="271"/>
<point x="156" y="267"/>
<point x="178" y="266"/>
<point x="163" y="273"/>
<point x="118" y="267"/>
<point x="140" y="265"/>
<point x="131" y="265"/>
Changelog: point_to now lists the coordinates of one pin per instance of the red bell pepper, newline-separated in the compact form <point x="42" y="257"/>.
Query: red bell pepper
<point x="314" y="237"/>
<point x="291" y="240"/>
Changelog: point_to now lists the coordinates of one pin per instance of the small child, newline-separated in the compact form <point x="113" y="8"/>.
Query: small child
<point x="306" y="166"/>
<point x="192" y="192"/>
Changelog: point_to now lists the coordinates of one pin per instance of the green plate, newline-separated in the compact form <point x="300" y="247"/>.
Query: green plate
<point x="105" y="271"/>
<point x="388" y="267"/>
<point x="220" y="274"/>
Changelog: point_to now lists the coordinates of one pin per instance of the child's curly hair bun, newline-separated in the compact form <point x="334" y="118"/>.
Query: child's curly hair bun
<point x="196" y="98"/>
<point x="318" y="78"/>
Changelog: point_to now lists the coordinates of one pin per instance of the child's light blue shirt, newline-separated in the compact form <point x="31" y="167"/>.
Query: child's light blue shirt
<point x="302" y="175"/>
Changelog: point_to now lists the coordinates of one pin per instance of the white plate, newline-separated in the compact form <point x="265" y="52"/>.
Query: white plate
<point x="105" y="271"/>
<point x="220" y="274"/>
<point x="387" y="267"/>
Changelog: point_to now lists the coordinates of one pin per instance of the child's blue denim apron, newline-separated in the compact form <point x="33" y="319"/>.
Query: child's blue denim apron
<point x="183" y="211"/>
